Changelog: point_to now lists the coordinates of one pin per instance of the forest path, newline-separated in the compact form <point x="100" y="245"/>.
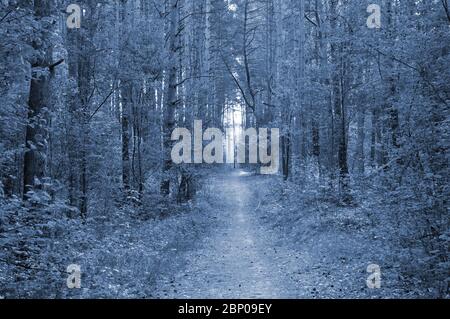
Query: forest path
<point x="240" y="259"/>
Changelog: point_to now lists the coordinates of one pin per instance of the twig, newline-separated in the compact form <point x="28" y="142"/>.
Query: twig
<point x="244" y="96"/>
<point x="309" y="20"/>
<point x="103" y="102"/>
<point x="6" y="15"/>
<point x="54" y="65"/>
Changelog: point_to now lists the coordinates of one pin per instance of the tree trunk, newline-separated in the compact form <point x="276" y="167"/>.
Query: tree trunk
<point x="126" y="105"/>
<point x="170" y="99"/>
<point x="35" y="140"/>
<point x="360" y="143"/>
<point x="34" y="161"/>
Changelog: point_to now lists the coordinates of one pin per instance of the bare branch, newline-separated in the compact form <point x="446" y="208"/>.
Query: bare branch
<point x="244" y="96"/>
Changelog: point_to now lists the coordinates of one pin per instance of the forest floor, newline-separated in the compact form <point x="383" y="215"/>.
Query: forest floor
<point x="244" y="236"/>
<point x="257" y="249"/>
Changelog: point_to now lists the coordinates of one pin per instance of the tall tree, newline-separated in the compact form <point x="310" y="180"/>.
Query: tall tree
<point x="42" y="65"/>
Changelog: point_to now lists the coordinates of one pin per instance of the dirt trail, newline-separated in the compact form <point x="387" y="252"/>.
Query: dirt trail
<point x="240" y="259"/>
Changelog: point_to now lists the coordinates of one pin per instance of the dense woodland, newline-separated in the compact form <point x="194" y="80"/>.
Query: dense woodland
<point x="87" y="115"/>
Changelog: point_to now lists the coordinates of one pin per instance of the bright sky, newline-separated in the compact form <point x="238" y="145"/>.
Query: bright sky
<point x="232" y="7"/>
<point x="235" y="112"/>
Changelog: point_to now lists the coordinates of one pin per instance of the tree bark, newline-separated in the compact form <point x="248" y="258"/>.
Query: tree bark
<point x="360" y="158"/>
<point x="170" y="99"/>
<point x="35" y="140"/>
<point x="126" y="104"/>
